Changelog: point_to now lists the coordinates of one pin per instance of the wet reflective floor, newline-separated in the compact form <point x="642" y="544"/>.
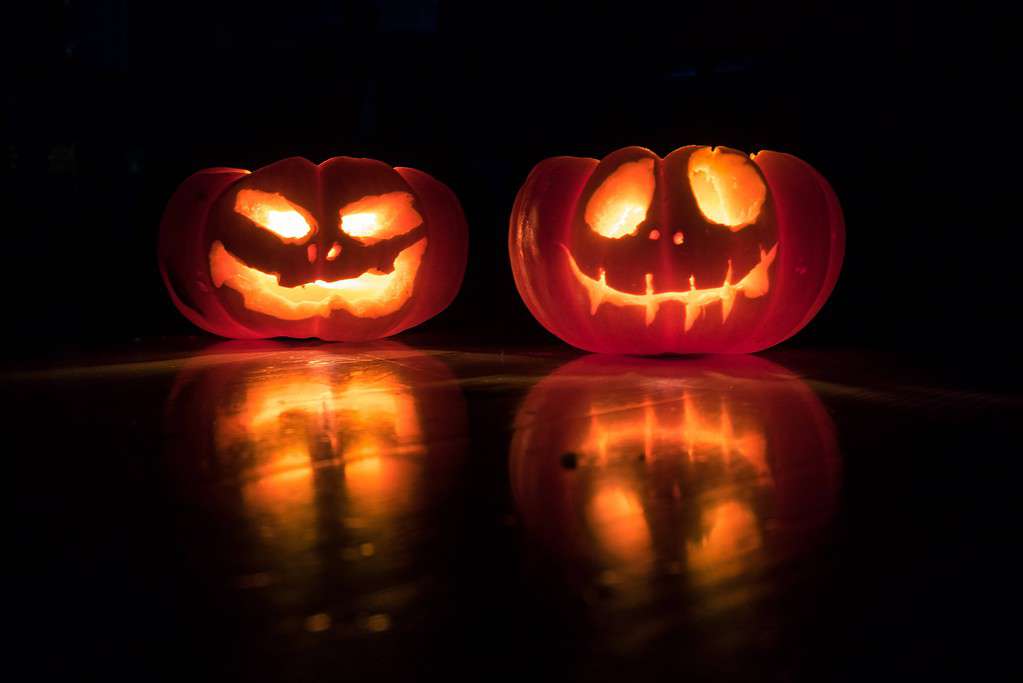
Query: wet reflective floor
<point x="274" y="511"/>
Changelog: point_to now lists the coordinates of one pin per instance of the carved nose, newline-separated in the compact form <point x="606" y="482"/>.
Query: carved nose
<point x="655" y="234"/>
<point x="310" y="253"/>
<point x="678" y="237"/>
<point x="334" y="250"/>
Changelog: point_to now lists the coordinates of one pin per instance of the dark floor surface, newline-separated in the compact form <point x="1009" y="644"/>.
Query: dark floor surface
<point x="189" y="510"/>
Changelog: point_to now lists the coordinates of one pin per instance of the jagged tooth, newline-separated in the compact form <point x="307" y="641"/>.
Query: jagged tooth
<point x="651" y="303"/>
<point x="692" y="311"/>
<point x="727" y="301"/>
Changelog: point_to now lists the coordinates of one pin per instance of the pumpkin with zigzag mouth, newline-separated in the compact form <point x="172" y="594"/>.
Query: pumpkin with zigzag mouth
<point x="706" y="250"/>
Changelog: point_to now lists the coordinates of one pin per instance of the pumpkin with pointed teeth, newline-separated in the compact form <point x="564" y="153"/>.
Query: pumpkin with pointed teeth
<point x="707" y="250"/>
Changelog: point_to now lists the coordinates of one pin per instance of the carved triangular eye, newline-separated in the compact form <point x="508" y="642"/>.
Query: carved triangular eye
<point x="727" y="187"/>
<point x="379" y="217"/>
<point x="621" y="202"/>
<point x="273" y="212"/>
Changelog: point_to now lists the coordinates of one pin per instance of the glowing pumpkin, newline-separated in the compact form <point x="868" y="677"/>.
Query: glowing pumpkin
<point x="348" y="250"/>
<point x="707" y="250"/>
<point x="644" y="466"/>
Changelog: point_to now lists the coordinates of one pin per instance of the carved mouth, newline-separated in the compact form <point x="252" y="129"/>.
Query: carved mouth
<point x="370" y="295"/>
<point x="754" y="284"/>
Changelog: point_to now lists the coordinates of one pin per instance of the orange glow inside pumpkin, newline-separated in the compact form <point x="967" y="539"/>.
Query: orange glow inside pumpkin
<point x="728" y="189"/>
<point x="379" y="217"/>
<point x="370" y="295"/>
<point x="754" y="284"/>
<point x="620" y="204"/>
<point x="273" y="212"/>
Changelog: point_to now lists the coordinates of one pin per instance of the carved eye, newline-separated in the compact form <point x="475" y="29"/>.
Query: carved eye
<point x="620" y="204"/>
<point x="379" y="217"/>
<point x="727" y="187"/>
<point x="273" y="212"/>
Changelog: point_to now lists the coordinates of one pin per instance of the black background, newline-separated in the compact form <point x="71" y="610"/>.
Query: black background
<point x="113" y="104"/>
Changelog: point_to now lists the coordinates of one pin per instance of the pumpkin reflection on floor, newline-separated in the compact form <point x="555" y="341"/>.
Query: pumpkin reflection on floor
<point x="332" y="458"/>
<point x="630" y="470"/>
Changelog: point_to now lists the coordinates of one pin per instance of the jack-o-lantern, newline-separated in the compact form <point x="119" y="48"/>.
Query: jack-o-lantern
<point x="707" y="250"/>
<point x="640" y="467"/>
<point x="349" y="250"/>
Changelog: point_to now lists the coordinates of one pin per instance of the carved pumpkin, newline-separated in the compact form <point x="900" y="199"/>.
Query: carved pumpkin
<point x="644" y="466"/>
<point x="348" y="250"/>
<point x="707" y="250"/>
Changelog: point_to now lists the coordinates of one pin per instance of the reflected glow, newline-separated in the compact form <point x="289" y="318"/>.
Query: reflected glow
<point x="676" y="466"/>
<point x="359" y="428"/>
<point x="728" y="189"/>
<point x="619" y="430"/>
<point x="620" y="204"/>
<point x="326" y="468"/>
<point x="731" y="533"/>
<point x="667" y="426"/>
<point x="370" y="295"/>
<point x="273" y="212"/>
<point x="616" y="516"/>
<point x="756" y="283"/>
<point x="290" y="425"/>
<point x="379" y="217"/>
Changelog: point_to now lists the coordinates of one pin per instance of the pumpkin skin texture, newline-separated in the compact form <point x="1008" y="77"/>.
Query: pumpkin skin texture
<point x="707" y="250"/>
<point x="347" y="250"/>
<point x="644" y="466"/>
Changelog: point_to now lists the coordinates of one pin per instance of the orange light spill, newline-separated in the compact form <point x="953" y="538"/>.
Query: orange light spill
<point x="620" y="430"/>
<point x="370" y="295"/>
<point x="700" y="431"/>
<point x="620" y="204"/>
<point x="731" y="534"/>
<point x="616" y="517"/>
<point x="383" y="423"/>
<point x="272" y="211"/>
<point x="664" y="422"/>
<point x="728" y="189"/>
<point x="379" y="217"/>
<point x="755" y="284"/>
<point x="285" y="427"/>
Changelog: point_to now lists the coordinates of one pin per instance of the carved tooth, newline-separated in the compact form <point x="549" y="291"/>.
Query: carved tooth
<point x="651" y="304"/>
<point x="692" y="311"/>
<point x="756" y="283"/>
<point x="727" y="294"/>
<point x="727" y="301"/>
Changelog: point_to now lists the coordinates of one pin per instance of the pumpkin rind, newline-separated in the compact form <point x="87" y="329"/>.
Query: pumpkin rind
<point x="678" y="280"/>
<point x="234" y="277"/>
